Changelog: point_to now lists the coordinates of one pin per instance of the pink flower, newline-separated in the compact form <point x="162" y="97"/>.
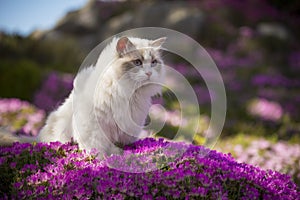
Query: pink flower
<point x="267" y="110"/>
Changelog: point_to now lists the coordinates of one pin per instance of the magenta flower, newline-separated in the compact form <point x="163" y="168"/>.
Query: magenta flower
<point x="58" y="171"/>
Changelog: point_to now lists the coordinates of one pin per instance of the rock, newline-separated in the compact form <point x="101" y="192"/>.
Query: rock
<point x="37" y="34"/>
<point x="274" y="30"/>
<point x="99" y="20"/>
<point x="174" y="15"/>
<point x="80" y="22"/>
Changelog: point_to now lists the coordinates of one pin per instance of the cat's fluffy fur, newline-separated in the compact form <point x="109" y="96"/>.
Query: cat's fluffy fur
<point x="110" y="101"/>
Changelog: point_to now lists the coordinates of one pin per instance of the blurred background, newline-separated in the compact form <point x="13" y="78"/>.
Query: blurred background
<point x="255" y="44"/>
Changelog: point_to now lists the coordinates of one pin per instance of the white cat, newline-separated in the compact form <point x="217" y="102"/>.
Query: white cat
<point x="110" y="101"/>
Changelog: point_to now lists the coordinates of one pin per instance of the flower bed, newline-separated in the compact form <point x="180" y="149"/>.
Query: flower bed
<point x="20" y="116"/>
<point x="147" y="169"/>
<point x="281" y="156"/>
<point x="53" y="91"/>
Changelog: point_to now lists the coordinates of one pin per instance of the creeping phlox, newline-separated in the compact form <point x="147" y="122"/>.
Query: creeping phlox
<point x="55" y="170"/>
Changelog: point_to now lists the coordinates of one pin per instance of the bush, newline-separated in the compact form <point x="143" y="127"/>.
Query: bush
<point x="18" y="79"/>
<point x="147" y="169"/>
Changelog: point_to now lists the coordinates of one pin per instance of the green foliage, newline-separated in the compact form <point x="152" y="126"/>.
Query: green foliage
<point x="24" y="61"/>
<point x="19" y="78"/>
<point x="52" y="54"/>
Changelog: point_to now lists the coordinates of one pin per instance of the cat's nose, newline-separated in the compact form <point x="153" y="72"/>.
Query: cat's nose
<point x="148" y="74"/>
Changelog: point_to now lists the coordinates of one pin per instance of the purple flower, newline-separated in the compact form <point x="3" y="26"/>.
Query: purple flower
<point x="280" y="156"/>
<point x="53" y="91"/>
<point x="265" y="109"/>
<point x="294" y="60"/>
<point x="188" y="171"/>
<point x="20" y="117"/>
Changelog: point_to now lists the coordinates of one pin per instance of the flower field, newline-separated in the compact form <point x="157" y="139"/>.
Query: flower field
<point x="30" y="170"/>
<point x="256" y="48"/>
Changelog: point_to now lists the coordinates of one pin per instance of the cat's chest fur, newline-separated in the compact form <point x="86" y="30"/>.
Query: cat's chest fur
<point x="121" y="109"/>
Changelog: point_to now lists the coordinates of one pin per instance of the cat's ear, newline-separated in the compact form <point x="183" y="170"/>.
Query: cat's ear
<point x="124" y="45"/>
<point x="158" y="42"/>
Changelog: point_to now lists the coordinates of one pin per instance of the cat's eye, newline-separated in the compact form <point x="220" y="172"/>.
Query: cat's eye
<point x="137" y="62"/>
<point x="153" y="63"/>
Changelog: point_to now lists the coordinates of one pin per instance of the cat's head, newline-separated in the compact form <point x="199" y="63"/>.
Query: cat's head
<point x="140" y="59"/>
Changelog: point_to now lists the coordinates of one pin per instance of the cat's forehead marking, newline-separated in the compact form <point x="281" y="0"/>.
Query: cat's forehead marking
<point x="143" y="53"/>
<point x="147" y="54"/>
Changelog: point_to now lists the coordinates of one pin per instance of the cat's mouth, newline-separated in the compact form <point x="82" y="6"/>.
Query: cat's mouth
<point x="144" y="80"/>
<point x="147" y="80"/>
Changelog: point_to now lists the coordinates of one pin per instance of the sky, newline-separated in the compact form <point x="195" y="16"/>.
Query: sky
<point x="25" y="16"/>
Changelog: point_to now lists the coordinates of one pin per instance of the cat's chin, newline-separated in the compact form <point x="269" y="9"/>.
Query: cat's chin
<point x="141" y="83"/>
<point x="149" y="80"/>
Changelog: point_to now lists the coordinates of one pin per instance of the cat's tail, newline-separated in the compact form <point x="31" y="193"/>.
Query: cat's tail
<point x="7" y="138"/>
